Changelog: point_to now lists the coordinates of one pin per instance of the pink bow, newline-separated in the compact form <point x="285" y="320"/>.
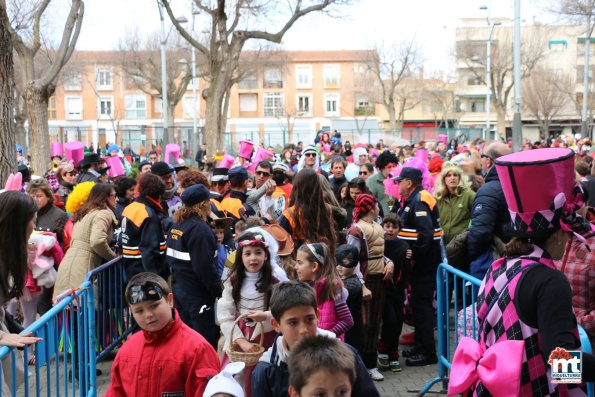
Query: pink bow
<point x="498" y="367"/>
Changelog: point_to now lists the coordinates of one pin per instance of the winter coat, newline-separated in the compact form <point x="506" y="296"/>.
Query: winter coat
<point x="455" y="213"/>
<point x="51" y="219"/>
<point x="489" y="216"/>
<point x="89" y="249"/>
<point x="175" y="361"/>
<point x="375" y="185"/>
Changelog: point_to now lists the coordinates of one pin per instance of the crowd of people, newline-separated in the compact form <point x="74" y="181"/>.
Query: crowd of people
<point x="303" y="263"/>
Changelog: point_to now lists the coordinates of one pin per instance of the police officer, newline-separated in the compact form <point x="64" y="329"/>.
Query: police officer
<point x="191" y="254"/>
<point x="421" y="230"/>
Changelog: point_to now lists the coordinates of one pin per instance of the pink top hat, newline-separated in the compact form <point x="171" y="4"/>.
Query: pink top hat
<point x="56" y="149"/>
<point x="226" y="162"/>
<point x="116" y="168"/>
<point x="74" y="152"/>
<point x="534" y="204"/>
<point x="246" y="149"/>
<point x="442" y="138"/>
<point x="422" y="154"/>
<point x="262" y="154"/>
<point x="172" y="152"/>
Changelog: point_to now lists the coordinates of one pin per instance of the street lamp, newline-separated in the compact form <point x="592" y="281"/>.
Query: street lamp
<point x="491" y="25"/>
<point x="194" y="82"/>
<point x="164" y="99"/>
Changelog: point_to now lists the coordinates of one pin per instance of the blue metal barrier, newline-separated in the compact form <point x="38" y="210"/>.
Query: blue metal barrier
<point x="462" y="287"/>
<point x="112" y="321"/>
<point x="464" y="290"/>
<point x="65" y="346"/>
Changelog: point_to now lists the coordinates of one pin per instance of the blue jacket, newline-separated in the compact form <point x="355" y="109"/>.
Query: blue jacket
<point x="270" y="378"/>
<point x="489" y="216"/>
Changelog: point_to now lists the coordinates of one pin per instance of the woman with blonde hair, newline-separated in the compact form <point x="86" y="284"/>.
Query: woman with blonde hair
<point x="455" y="200"/>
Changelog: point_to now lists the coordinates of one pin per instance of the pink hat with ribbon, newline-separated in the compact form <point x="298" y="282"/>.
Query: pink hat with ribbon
<point x="115" y="166"/>
<point x="56" y="149"/>
<point x="172" y="152"/>
<point x="226" y="162"/>
<point x="246" y="149"/>
<point x="74" y="152"/>
<point x="536" y="206"/>
<point x="422" y="154"/>
<point x="262" y="154"/>
<point x="442" y="138"/>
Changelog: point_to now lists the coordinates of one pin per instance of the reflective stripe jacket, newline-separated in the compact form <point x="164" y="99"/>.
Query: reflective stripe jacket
<point x="192" y="256"/>
<point x="143" y="238"/>
<point x="421" y="229"/>
<point x="235" y="205"/>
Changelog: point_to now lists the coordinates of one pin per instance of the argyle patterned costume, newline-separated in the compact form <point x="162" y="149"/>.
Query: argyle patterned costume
<point x="500" y="321"/>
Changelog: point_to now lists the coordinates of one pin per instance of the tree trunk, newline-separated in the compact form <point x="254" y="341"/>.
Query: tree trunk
<point x="501" y="121"/>
<point x="39" y="135"/>
<point x="7" y="143"/>
<point x="173" y="136"/>
<point x="19" y="129"/>
<point x="392" y="116"/>
<point x="215" y="119"/>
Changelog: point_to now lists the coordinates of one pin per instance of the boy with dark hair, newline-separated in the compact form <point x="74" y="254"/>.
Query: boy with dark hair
<point x="347" y="259"/>
<point x="295" y="316"/>
<point x="397" y="250"/>
<point x="167" y="357"/>
<point x="321" y="366"/>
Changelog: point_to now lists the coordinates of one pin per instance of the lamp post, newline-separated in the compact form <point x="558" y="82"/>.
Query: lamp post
<point x="195" y="111"/>
<point x="164" y="99"/>
<point x="517" y="125"/>
<point x="491" y="26"/>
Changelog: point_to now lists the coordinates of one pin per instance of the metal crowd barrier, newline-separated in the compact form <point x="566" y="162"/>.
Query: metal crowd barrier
<point x="65" y="346"/>
<point x="113" y="321"/>
<point x="463" y="288"/>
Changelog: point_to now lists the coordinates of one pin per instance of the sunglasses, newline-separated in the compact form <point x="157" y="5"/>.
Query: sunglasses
<point x="143" y="293"/>
<point x="363" y="173"/>
<point x="310" y="154"/>
<point x="262" y="173"/>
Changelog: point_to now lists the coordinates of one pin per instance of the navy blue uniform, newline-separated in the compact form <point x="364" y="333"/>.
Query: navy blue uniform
<point x="192" y="256"/>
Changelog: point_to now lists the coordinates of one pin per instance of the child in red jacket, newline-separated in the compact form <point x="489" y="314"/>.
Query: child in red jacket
<point x="167" y="357"/>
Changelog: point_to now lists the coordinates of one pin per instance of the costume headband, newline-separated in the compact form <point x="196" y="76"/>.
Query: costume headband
<point x="312" y="249"/>
<point x="257" y="241"/>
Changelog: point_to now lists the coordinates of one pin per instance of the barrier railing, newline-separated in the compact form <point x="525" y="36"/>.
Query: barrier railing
<point x="63" y="363"/>
<point x="112" y="321"/>
<point x="461" y="288"/>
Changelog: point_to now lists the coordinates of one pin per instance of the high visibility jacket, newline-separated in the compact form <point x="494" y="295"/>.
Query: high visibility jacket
<point x="235" y="204"/>
<point x="143" y="238"/>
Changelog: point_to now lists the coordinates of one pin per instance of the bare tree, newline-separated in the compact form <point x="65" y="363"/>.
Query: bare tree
<point x="543" y="99"/>
<point x="366" y="94"/>
<point x="439" y="97"/>
<point x="230" y="25"/>
<point x="533" y="49"/>
<point x="141" y="66"/>
<point x="408" y="94"/>
<point x="40" y="83"/>
<point x="7" y="142"/>
<point x="393" y="64"/>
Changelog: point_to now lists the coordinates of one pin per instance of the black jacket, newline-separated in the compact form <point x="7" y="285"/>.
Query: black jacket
<point x="489" y="216"/>
<point x="143" y="238"/>
<point x="421" y="230"/>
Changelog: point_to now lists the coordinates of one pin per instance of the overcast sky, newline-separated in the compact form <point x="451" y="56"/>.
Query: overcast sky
<point x="431" y="22"/>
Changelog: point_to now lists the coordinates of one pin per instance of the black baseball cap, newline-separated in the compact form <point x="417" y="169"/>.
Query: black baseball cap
<point x="409" y="173"/>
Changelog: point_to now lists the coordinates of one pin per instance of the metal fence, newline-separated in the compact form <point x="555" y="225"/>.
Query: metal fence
<point x="64" y="365"/>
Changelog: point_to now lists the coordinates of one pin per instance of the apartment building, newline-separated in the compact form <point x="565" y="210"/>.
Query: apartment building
<point x="96" y="102"/>
<point x="558" y="50"/>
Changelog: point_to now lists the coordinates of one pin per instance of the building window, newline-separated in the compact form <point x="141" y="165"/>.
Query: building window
<point x="72" y="80"/>
<point x="103" y="79"/>
<point x="304" y="105"/>
<point x="273" y="78"/>
<point x="52" y="108"/>
<point x="473" y="80"/>
<point x="303" y="76"/>
<point x="74" y="108"/>
<point x="105" y="106"/>
<point x="273" y="104"/>
<point x="331" y="104"/>
<point x="189" y="110"/>
<point x="136" y="106"/>
<point x="331" y="76"/>
<point x="477" y="107"/>
<point x="249" y="82"/>
<point x="248" y="102"/>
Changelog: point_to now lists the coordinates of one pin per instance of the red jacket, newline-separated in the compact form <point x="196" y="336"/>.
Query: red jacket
<point x="176" y="360"/>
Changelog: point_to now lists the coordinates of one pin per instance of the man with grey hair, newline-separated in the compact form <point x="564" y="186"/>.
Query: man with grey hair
<point x="489" y="216"/>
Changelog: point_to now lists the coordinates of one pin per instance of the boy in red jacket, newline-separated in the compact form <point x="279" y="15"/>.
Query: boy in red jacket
<point x="167" y="357"/>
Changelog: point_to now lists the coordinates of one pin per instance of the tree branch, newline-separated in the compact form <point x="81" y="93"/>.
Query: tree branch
<point x="36" y="22"/>
<point x="183" y="32"/>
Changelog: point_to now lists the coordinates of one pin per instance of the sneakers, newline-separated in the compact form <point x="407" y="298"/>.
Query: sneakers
<point x="383" y="362"/>
<point x="375" y="374"/>
<point x="395" y="366"/>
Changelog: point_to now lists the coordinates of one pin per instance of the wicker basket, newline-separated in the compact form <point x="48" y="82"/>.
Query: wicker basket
<point x="236" y="353"/>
